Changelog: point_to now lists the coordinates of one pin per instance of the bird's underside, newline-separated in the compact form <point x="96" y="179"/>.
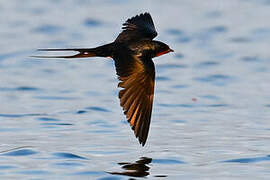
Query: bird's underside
<point x="132" y="52"/>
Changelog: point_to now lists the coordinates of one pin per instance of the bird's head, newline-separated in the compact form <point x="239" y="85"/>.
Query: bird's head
<point x="161" y="48"/>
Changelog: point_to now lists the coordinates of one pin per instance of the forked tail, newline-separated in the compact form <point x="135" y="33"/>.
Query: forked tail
<point x="101" y="51"/>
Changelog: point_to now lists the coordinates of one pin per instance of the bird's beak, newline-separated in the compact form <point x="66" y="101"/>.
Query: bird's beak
<point x="171" y="50"/>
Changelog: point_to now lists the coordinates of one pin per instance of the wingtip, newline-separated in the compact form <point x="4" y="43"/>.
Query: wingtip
<point x="44" y="49"/>
<point x="42" y="57"/>
<point x="51" y="57"/>
<point x="143" y="143"/>
<point x="141" y="140"/>
<point x="146" y="13"/>
<point x="40" y="49"/>
<point x="139" y="16"/>
<point x="47" y="49"/>
<point x="35" y="56"/>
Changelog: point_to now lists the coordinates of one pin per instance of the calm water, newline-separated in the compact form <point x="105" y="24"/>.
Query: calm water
<point x="62" y="120"/>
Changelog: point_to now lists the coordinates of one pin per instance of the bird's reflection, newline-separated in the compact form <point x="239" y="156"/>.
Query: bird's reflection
<point x="139" y="168"/>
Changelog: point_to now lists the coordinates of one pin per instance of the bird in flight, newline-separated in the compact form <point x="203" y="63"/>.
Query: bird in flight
<point x="132" y="52"/>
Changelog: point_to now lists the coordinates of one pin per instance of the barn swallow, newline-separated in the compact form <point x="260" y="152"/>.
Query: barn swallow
<point x="132" y="52"/>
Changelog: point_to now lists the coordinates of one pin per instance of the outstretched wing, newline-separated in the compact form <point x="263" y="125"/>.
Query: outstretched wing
<point x="137" y="76"/>
<point x="138" y="27"/>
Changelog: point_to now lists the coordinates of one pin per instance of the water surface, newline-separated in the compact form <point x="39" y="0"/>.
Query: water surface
<point x="62" y="120"/>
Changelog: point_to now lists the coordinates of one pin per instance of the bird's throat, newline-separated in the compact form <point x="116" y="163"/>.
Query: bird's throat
<point x="162" y="52"/>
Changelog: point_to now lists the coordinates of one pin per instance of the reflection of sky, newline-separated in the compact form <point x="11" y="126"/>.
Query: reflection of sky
<point x="212" y="95"/>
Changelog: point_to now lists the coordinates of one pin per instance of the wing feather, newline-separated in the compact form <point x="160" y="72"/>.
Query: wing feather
<point x="137" y="28"/>
<point x="136" y="95"/>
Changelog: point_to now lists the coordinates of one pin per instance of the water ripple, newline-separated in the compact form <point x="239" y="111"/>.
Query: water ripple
<point x="250" y="59"/>
<point x="34" y="172"/>
<point x="213" y="14"/>
<point x="111" y="178"/>
<point x="26" y="88"/>
<point x="212" y="97"/>
<point x="185" y="39"/>
<point x="167" y="161"/>
<point x="57" y="124"/>
<point x="240" y="39"/>
<point x="87" y="173"/>
<point x="19" y="115"/>
<point x="179" y="55"/>
<point x="81" y="112"/>
<point x="261" y="33"/>
<point x="55" y="98"/>
<point x="96" y="108"/>
<point x="10" y="130"/>
<point x="162" y="78"/>
<point x="180" y="86"/>
<point x="216" y="79"/>
<point x="193" y="105"/>
<point x="248" y="160"/>
<point x="20" y="88"/>
<point x="175" y="32"/>
<point x="4" y="56"/>
<point x="4" y="167"/>
<point x="107" y="152"/>
<point x="48" y="29"/>
<point x="181" y="36"/>
<point x="171" y="66"/>
<point x="178" y="121"/>
<point x="177" y="105"/>
<point x="20" y="152"/>
<point x="89" y="22"/>
<point x="68" y="164"/>
<point x="101" y="123"/>
<point x="68" y="156"/>
<point x="218" y="29"/>
<point x="47" y="119"/>
<point x="206" y="64"/>
<point x="216" y="105"/>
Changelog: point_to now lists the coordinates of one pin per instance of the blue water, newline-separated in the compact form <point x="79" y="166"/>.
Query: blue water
<point x="62" y="120"/>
